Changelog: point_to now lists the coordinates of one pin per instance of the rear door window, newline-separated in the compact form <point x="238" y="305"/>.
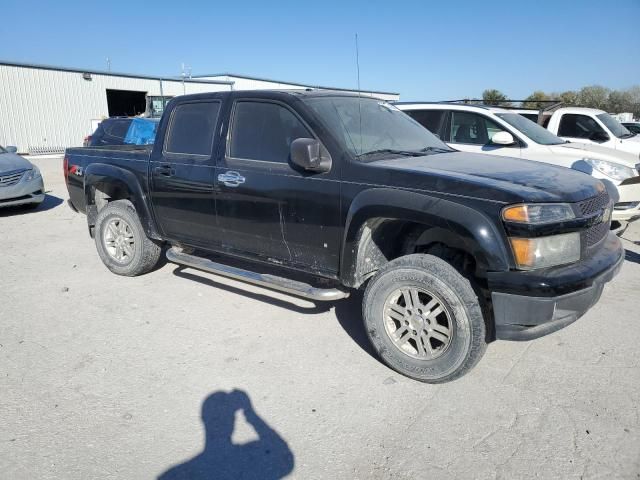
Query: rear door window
<point x="432" y="120"/>
<point x="192" y="128"/>
<point x="264" y="131"/>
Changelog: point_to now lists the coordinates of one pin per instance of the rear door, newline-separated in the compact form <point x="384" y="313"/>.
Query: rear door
<point x="266" y="208"/>
<point x="432" y="120"/>
<point x="182" y="174"/>
<point x="472" y="132"/>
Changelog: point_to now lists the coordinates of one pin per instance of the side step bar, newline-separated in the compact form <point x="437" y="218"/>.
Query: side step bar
<point x="272" y="282"/>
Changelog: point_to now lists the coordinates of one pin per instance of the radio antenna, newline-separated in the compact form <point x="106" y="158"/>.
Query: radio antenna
<point x="359" y="92"/>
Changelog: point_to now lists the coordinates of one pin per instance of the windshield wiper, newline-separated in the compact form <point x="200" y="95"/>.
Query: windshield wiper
<point x="382" y="151"/>
<point x="436" y="149"/>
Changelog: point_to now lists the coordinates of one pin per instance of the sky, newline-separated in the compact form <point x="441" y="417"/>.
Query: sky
<point x="422" y="49"/>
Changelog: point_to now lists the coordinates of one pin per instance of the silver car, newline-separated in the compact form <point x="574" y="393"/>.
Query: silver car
<point x="20" y="180"/>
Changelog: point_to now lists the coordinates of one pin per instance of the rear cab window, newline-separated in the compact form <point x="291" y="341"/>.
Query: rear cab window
<point x="117" y="128"/>
<point x="192" y="128"/>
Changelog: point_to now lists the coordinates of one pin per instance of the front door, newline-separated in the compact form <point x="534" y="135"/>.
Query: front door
<point x="472" y="132"/>
<point x="268" y="209"/>
<point x="183" y="174"/>
<point x="583" y="128"/>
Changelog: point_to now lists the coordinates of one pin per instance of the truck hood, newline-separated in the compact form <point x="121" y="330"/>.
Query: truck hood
<point x="585" y="150"/>
<point x="490" y="177"/>
<point x="11" y="161"/>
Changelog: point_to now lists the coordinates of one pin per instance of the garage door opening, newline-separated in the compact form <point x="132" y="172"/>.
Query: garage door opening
<point x="126" y="103"/>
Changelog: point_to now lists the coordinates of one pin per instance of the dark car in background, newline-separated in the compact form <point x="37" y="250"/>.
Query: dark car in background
<point x="633" y="127"/>
<point x="123" y="131"/>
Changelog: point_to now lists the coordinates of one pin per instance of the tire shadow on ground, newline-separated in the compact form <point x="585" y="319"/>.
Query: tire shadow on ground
<point x="349" y="315"/>
<point x="319" y="307"/>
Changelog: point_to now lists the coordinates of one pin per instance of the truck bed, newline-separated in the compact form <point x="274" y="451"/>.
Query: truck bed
<point x="133" y="158"/>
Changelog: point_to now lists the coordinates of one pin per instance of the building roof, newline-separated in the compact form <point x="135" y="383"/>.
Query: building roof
<point x="247" y="77"/>
<point x="104" y="72"/>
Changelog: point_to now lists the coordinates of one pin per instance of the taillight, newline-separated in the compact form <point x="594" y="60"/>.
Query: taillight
<point x="65" y="169"/>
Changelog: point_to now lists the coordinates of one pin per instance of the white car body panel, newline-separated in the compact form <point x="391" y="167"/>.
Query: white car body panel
<point x="570" y="155"/>
<point x="630" y="145"/>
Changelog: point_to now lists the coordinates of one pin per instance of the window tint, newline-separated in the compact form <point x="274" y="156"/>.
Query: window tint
<point x="264" y="131"/>
<point x="578" y="126"/>
<point x="429" y="119"/>
<point x="614" y="125"/>
<point x="531" y="116"/>
<point x="192" y="128"/>
<point x="472" y="128"/>
<point x="117" y="128"/>
<point x="532" y="130"/>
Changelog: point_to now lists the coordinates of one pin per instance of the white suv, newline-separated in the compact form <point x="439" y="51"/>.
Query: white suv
<point x="498" y="131"/>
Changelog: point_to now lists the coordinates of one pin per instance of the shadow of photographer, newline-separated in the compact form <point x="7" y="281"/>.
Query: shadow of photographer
<point x="268" y="457"/>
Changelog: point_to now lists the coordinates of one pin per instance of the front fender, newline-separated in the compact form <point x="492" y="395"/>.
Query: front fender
<point x="119" y="184"/>
<point x="454" y="224"/>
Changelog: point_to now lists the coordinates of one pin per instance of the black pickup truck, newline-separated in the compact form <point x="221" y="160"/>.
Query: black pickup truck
<point x="319" y="193"/>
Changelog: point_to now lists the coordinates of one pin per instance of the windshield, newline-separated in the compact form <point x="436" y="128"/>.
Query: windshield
<point x="532" y="130"/>
<point x="366" y="126"/>
<point x="614" y="126"/>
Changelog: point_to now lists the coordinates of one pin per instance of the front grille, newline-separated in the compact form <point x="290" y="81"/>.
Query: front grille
<point x="10" y="178"/>
<point x="596" y="233"/>
<point x="594" y="204"/>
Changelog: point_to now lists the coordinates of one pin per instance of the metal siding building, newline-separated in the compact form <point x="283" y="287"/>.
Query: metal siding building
<point x="45" y="109"/>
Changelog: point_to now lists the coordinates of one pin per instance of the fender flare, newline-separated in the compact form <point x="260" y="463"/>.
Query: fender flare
<point x="454" y="224"/>
<point x="122" y="183"/>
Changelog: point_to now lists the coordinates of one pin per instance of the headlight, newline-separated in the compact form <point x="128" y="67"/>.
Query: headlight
<point x="32" y="174"/>
<point x="611" y="169"/>
<point x="538" y="213"/>
<point x="541" y="252"/>
<point x="531" y="253"/>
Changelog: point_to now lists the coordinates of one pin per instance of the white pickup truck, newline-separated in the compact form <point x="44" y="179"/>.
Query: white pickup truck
<point x="587" y="125"/>
<point x="498" y="131"/>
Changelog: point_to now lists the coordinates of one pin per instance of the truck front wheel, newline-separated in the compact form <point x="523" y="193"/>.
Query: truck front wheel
<point x="424" y="319"/>
<point x="121" y="241"/>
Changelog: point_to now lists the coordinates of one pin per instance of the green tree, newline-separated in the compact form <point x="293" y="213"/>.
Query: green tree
<point x="495" y="97"/>
<point x="535" y="100"/>
<point x="634" y="96"/>
<point x="620" y="101"/>
<point x="569" y="97"/>
<point x="594" y="96"/>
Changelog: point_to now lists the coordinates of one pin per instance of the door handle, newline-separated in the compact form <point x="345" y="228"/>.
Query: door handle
<point x="231" y="179"/>
<point x="164" y="170"/>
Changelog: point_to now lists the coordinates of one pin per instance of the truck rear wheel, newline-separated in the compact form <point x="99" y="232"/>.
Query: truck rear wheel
<point x="424" y="319"/>
<point x="121" y="241"/>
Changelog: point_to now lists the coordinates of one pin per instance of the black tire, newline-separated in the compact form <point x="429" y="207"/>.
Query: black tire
<point x="427" y="274"/>
<point x="145" y="252"/>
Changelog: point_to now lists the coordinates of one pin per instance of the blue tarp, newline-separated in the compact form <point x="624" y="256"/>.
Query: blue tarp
<point x="142" y="131"/>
